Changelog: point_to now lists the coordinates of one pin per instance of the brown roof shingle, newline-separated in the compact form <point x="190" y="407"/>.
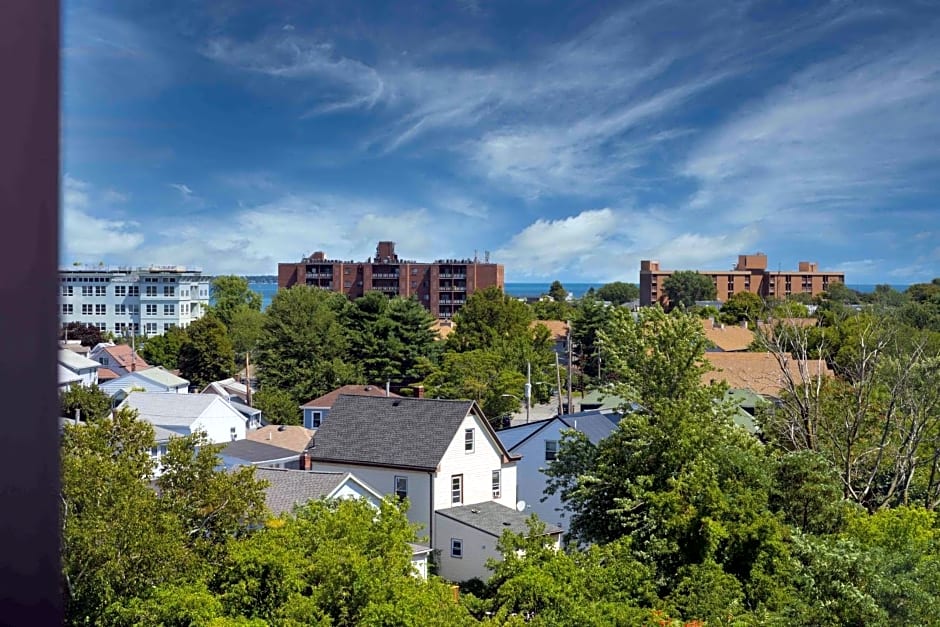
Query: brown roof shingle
<point x="728" y="337"/>
<point x="295" y="438"/>
<point x="122" y="354"/>
<point x="558" y="328"/>
<point x="329" y="398"/>
<point x="758" y="372"/>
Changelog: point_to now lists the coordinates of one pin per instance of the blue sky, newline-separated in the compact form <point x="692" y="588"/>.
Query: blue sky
<point x="569" y="139"/>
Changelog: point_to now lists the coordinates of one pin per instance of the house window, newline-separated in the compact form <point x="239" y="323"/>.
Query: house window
<point x="120" y="290"/>
<point x="120" y="310"/>
<point x="101" y="310"/>
<point x="86" y="309"/>
<point x="234" y="435"/>
<point x="167" y="327"/>
<point x="101" y="326"/>
<point x="133" y="290"/>
<point x="67" y="308"/>
<point x="151" y="310"/>
<point x="169" y="310"/>
<point x="151" y="328"/>
<point x="315" y="419"/>
<point x="86" y="290"/>
<point x="67" y="290"/>
<point x="496" y="483"/>
<point x="163" y="449"/>
<point x="169" y="290"/>
<point x="456" y="489"/>
<point x="151" y="290"/>
<point x="468" y="440"/>
<point x="101" y="290"/>
<point x="184" y="309"/>
<point x="456" y="548"/>
<point x="551" y="449"/>
<point x="401" y="487"/>
<point x="134" y="310"/>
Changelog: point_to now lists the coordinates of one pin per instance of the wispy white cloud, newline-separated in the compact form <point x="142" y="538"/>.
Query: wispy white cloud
<point x="86" y="235"/>
<point x="185" y="190"/>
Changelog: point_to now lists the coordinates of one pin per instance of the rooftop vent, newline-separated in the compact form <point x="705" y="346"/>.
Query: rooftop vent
<point x="282" y="428"/>
<point x="396" y="403"/>
<point x="505" y="523"/>
<point x="474" y="511"/>
<point x="368" y="388"/>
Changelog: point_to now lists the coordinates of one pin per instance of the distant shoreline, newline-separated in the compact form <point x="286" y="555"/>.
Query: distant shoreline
<point x="267" y="287"/>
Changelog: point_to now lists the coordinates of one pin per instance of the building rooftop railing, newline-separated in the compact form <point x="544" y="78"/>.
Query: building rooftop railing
<point x="151" y="268"/>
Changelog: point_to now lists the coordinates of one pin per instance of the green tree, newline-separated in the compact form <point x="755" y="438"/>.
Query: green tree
<point x="591" y="319"/>
<point x="277" y="407"/>
<point x="685" y="287"/>
<point x="117" y="540"/>
<point x="305" y="343"/>
<point x="480" y="375"/>
<point x="213" y="505"/>
<point x="489" y="317"/>
<point x="742" y="306"/>
<point x="246" y="329"/>
<point x="163" y="350"/>
<point x="207" y="354"/>
<point x="231" y="293"/>
<point x="557" y="291"/>
<point x="618" y="292"/>
<point x="86" y="403"/>
<point x="334" y="563"/>
<point x="553" y="310"/>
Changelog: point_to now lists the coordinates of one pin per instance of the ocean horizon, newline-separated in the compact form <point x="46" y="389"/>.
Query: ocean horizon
<point x="268" y="288"/>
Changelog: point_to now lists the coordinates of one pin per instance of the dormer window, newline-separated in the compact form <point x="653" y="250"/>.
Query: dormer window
<point x="468" y="440"/>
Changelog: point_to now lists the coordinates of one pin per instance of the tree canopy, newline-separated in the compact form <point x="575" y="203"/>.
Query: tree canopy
<point x="685" y="287"/>
<point x="618" y="292"/>
<point x="207" y="354"/>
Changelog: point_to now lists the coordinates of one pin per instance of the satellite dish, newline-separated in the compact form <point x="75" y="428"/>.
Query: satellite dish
<point x="520" y="506"/>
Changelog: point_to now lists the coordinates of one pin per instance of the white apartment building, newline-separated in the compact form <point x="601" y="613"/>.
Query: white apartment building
<point x="147" y="300"/>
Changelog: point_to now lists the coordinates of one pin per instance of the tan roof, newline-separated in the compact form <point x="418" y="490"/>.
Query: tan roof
<point x="106" y="374"/>
<point x="121" y="353"/>
<point x="292" y="437"/>
<point x="329" y="398"/>
<point x="730" y="338"/>
<point x="758" y="372"/>
<point x="558" y="328"/>
<point x="443" y="328"/>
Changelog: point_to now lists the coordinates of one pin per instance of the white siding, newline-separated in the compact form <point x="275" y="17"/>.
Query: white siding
<point x="420" y="565"/>
<point x="477" y="548"/>
<point x="132" y="380"/>
<point x="350" y="489"/>
<point x="382" y="480"/>
<point x="532" y="481"/>
<point x="218" y="420"/>
<point x="476" y="467"/>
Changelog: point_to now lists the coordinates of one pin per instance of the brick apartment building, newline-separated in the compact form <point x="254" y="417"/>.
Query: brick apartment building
<point x="442" y="286"/>
<point x="750" y="274"/>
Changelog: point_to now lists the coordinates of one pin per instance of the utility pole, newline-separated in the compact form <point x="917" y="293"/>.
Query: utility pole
<point x="569" y="366"/>
<point x="558" y="377"/>
<point x="247" y="379"/>
<point x="528" y="390"/>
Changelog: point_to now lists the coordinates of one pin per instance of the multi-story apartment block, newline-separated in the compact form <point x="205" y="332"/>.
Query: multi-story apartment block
<point x="122" y="300"/>
<point x="750" y="274"/>
<point x="442" y="286"/>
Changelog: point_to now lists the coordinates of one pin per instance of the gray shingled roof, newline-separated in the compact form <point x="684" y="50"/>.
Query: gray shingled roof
<point x="288" y="488"/>
<point x="162" y="408"/>
<point x="395" y="432"/>
<point x="253" y="451"/>
<point x="492" y="518"/>
<point x="74" y="361"/>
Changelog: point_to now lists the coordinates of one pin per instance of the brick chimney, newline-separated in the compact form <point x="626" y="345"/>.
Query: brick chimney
<point x="419" y="391"/>
<point x="305" y="463"/>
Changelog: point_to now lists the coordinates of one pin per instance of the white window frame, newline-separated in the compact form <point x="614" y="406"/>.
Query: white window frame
<point x="151" y="290"/>
<point x="101" y="309"/>
<point x="316" y="419"/>
<point x="456" y="493"/>
<point x="150" y="309"/>
<point x="101" y="290"/>
<point x="87" y="290"/>
<point x="133" y="290"/>
<point x="87" y="309"/>
<point x="169" y="310"/>
<point x="497" y="481"/>
<point x="456" y="543"/>
<point x="67" y="290"/>
<point x="468" y="441"/>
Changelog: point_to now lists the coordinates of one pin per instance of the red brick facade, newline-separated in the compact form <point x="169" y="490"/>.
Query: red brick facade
<point x="442" y="286"/>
